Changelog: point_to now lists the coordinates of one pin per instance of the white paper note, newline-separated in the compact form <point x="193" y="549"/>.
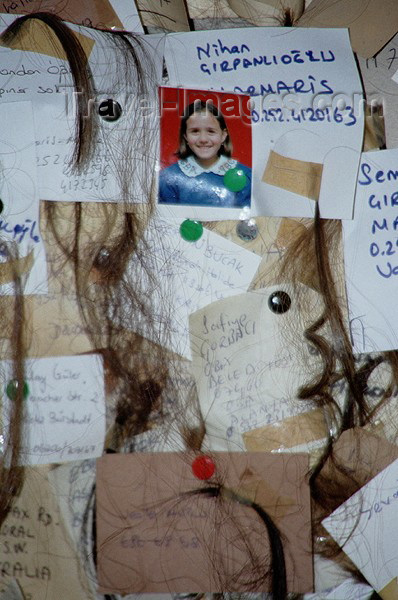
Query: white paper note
<point x="78" y="12"/>
<point x="127" y="12"/>
<point x="188" y="276"/>
<point x="349" y="590"/>
<point x="247" y="369"/>
<point x="128" y="144"/>
<point x="307" y="96"/>
<point x="366" y="527"/>
<point x="65" y="409"/>
<point x="371" y="254"/>
<point x="20" y="240"/>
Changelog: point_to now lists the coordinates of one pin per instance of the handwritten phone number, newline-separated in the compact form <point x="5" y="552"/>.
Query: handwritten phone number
<point x="82" y="184"/>
<point x="167" y="541"/>
<point x="389" y="249"/>
<point x="272" y="115"/>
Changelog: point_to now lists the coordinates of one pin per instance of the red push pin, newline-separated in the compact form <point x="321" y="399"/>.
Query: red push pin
<point x="203" y="467"/>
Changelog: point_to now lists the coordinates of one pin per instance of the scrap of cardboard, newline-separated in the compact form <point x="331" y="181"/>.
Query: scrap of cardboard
<point x="293" y="431"/>
<point x="381" y="87"/>
<point x="153" y="536"/>
<point x="365" y="526"/>
<point x="36" y="36"/>
<point x="35" y="547"/>
<point x="296" y="78"/>
<point x="16" y="268"/>
<point x="82" y="12"/>
<point x="100" y="14"/>
<point x="298" y="176"/>
<point x="265" y="12"/>
<point x="370" y="254"/>
<point x="247" y="370"/>
<point x="57" y="326"/>
<point x="372" y="24"/>
<point x="64" y="409"/>
<point x="171" y="16"/>
<point x="21" y="250"/>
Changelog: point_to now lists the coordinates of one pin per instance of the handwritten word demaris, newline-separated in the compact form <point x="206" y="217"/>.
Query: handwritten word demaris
<point x="298" y="86"/>
<point x="20" y="230"/>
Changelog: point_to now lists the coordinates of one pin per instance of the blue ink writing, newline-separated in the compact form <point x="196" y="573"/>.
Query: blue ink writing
<point x="19" y="231"/>
<point x="378" y="177"/>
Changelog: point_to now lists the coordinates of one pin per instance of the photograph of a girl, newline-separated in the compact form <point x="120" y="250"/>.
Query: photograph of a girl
<point x="204" y="157"/>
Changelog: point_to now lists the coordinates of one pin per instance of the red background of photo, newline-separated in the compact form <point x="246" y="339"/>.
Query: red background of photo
<point x="172" y="105"/>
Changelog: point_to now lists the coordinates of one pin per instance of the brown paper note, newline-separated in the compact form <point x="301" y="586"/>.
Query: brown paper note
<point x="390" y="591"/>
<point x="372" y="23"/>
<point x="297" y="176"/>
<point x="93" y="13"/>
<point x="35" y="548"/>
<point x="35" y="36"/>
<point x="17" y="267"/>
<point x="155" y="537"/>
<point x="266" y="12"/>
<point x="171" y="16"/>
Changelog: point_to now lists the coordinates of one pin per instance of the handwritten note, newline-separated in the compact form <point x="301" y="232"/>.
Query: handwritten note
<point x="21" y="246"/>
<point x="306" y="107"/>
<point x="371" y="254"/>
<point x="65" y="409"/>
<point x="366" y="527"/>
<point x="155" y="537"/>
<point x="35" y="548"/>
<point x="247" y="370"/>
<point x="189" y="275"/>
<point x="120" y="14"/>
<point x="47" y="82"/>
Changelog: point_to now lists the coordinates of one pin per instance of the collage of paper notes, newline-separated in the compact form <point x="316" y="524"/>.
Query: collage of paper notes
<point x="198" y="286"/>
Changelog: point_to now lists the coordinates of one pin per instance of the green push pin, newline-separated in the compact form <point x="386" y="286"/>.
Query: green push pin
<point x="12" y="388"/>
<point x="235" y="180"/>
<point x="191" y="231"/>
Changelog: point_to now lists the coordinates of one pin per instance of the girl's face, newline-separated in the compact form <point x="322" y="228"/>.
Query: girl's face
<point x="205" y="137"/>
